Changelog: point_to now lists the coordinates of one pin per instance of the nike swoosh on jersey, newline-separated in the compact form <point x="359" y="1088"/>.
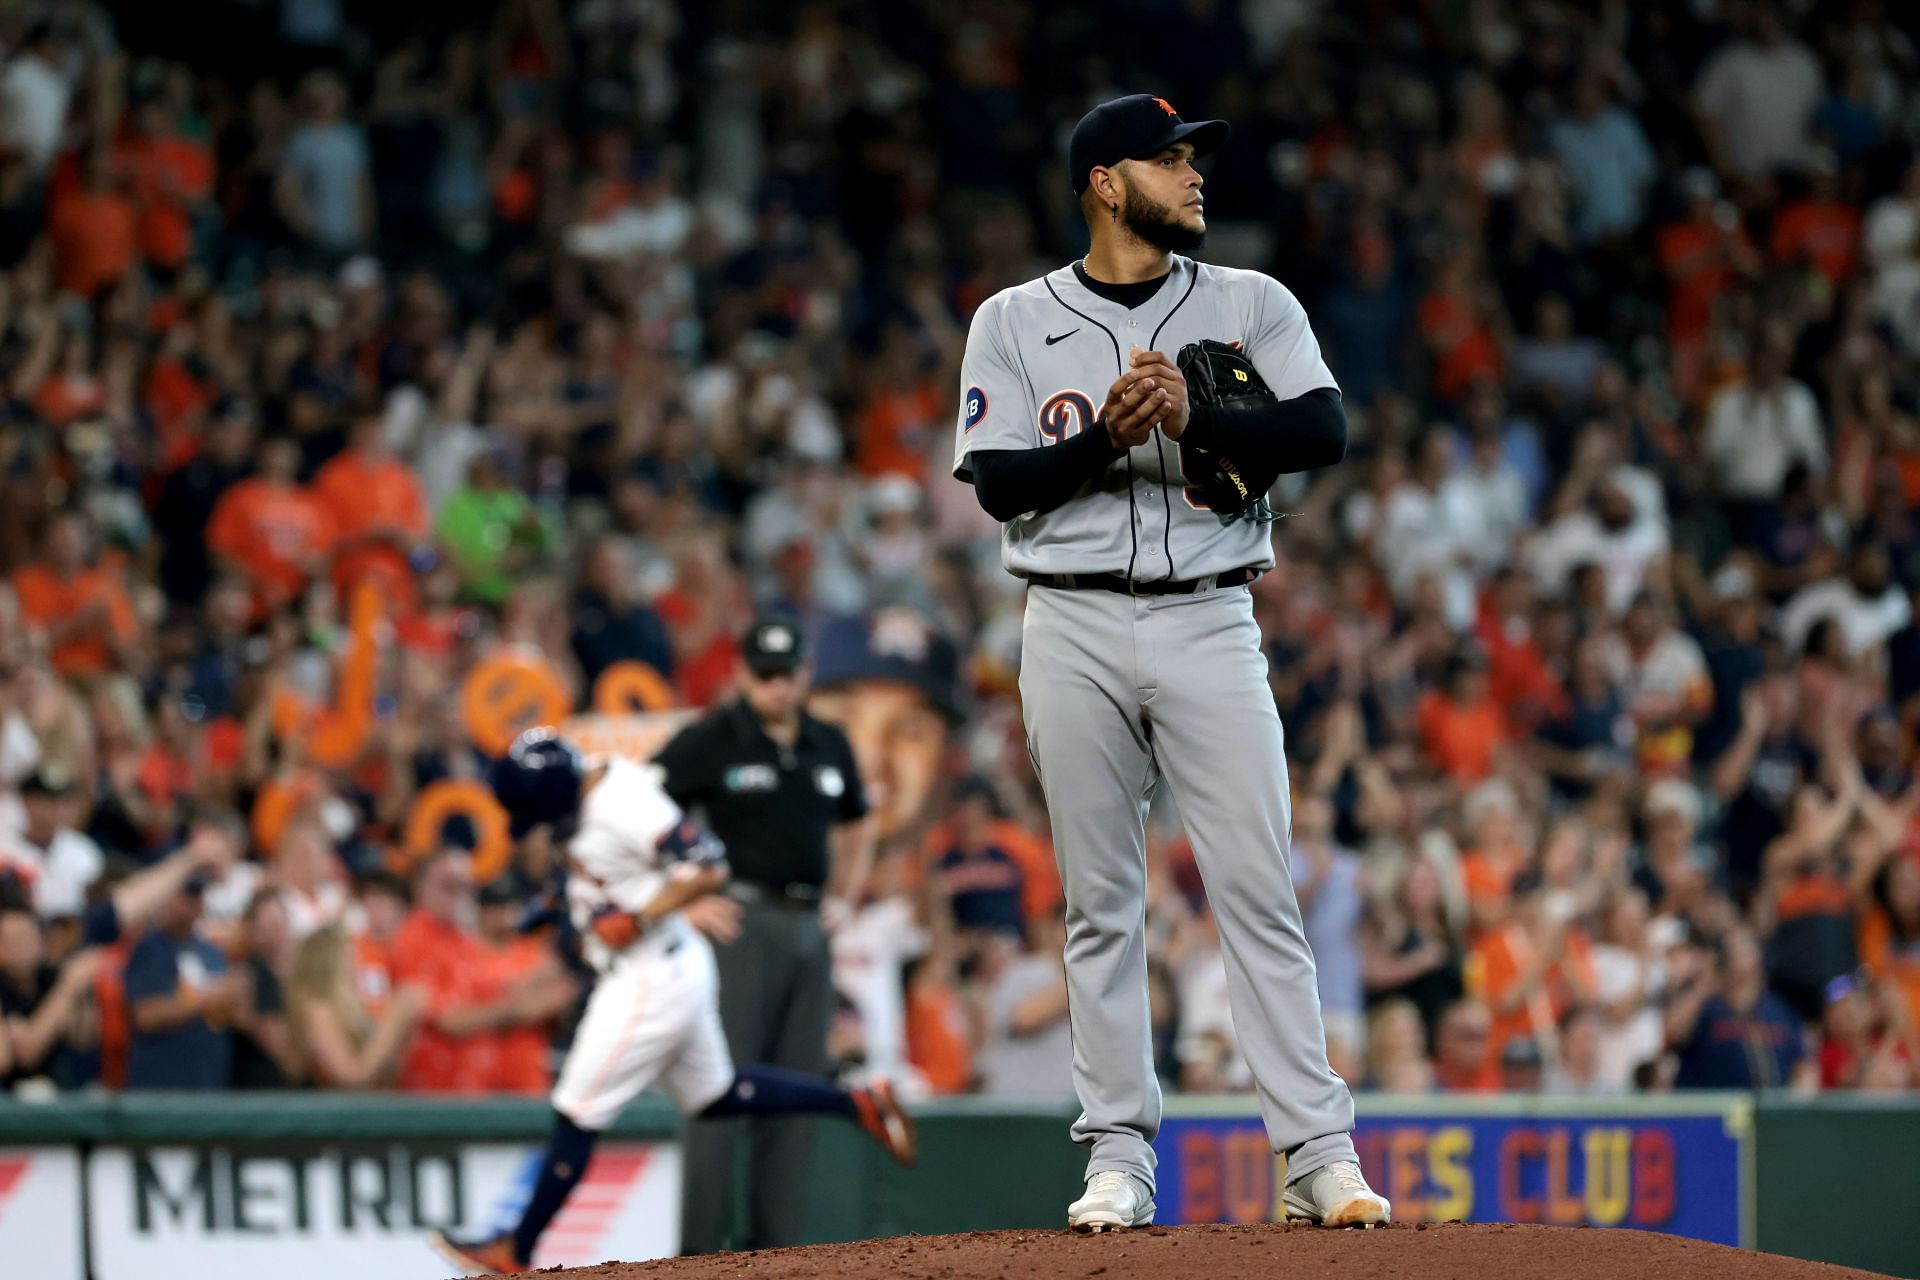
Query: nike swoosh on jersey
<point x="1063" y="337"/>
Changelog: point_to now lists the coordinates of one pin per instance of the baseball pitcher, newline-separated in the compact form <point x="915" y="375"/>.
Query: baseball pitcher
<point x="1124" y="417"/>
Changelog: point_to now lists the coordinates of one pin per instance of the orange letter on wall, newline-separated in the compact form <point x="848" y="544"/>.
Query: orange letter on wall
<point x="1564" y="1208"/>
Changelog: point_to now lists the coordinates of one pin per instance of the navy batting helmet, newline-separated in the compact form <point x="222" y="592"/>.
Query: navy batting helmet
<point x="538" y="780"/>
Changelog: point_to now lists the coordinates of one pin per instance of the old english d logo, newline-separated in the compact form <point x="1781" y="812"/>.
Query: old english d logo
<point x="1167" y="107"/>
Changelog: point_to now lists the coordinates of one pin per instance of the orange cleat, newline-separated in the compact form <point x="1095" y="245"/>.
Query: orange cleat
<point x="480" y="1257"/>
<point x="881" y="1115"/>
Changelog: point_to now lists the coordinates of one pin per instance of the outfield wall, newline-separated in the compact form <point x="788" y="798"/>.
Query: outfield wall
<point x="322" y="1185"/>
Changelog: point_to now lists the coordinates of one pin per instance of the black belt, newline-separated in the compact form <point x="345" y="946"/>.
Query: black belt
<point x="776" y="895"/>
<point x="1158" y="587"/>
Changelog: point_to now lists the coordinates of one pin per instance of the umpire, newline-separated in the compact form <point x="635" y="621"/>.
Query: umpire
<point x="782" y="791"/>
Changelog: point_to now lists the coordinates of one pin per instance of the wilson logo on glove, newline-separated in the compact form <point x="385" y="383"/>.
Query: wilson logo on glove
<point x="1218" y="374"/>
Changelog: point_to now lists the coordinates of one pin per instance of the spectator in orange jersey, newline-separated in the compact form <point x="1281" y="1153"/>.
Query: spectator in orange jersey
<point x="458" y="1047"/>
<point x="1529" y="970"/>
<point x="272" y="530"/>
<point x="1890" y="930"/>
<point x="1463" y="1059"/>
<point x="1518" y="674"/>
<point x="905" y="407"/>
<point x="170" y="176"/>
<point x="1461" y="727"/>
<point x="79" y="600"/>
<point x="1498" y="853"/>
<point x="1819" y="230"/>
<point x="110" y="997"/>
<point x="94" y="231"/>
<point x="702" y="612"/>
<point x="73" y="390"/>
<point x="1703" y="255"/>
<point x="939" y="1044"/>
<point x="526" y="963"/>
<point x="1456" y="323"/>
<point x="378" y="510"/>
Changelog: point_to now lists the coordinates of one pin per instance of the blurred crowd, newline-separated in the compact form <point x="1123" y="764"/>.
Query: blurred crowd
<point x="371" y="347"/>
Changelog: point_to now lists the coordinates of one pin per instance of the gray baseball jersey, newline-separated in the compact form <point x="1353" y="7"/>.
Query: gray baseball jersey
<point x="1039" y="360"/>
<point x="1121" y="693"/>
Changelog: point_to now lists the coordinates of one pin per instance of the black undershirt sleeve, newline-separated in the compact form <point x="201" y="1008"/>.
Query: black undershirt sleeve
<point x="1012" y="482"/>
<point x="1284" y="436"/>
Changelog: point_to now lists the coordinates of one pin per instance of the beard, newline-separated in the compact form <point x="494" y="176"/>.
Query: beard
<point x="1157" y="224"/>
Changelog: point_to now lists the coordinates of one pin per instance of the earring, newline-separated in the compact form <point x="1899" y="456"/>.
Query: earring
<point x="1115" y="210"/>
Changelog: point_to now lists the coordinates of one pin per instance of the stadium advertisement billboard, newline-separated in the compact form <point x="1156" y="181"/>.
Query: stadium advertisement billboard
<point x="39" y="1226"/>
<point x="297" y="1212"/>
<point x="1675" y="1165"/>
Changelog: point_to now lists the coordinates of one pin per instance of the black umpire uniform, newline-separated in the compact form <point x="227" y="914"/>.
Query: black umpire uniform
<point x="775" y="806"/>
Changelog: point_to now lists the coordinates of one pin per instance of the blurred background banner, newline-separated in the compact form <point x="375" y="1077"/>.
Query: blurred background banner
<point x="313" y="1212"/>
<point x="250" y="1187"/>
<point x="40" y="1233"/>
<point x="1682" y="1168"/>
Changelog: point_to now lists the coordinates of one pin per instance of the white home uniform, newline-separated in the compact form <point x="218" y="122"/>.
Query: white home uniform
<point x="654" y="1015"/>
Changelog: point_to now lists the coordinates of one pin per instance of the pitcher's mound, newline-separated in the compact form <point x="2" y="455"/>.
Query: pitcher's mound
<point x="1456" y="1251"/>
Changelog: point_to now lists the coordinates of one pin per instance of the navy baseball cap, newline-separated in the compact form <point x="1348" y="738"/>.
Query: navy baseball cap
<point x="538" y="780"/>
<point x="1133" y="128"/>
<point x="896" y="645"/>
<point x="773" y="646"/>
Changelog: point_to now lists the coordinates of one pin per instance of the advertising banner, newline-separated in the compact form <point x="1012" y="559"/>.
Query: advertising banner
<point x="40" y="1212"/>
<point x="319" y="1213"/>
<point x="1682" y="1171"/>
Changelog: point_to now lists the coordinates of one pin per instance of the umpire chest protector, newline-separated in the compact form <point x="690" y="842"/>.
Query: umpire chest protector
<point x="1039" y="360"/>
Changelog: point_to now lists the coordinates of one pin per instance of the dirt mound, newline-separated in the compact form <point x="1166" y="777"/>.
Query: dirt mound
<point x="1456" y="1250"/>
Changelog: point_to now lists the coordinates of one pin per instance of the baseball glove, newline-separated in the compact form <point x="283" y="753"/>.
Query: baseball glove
<point x="1217" y="373"/>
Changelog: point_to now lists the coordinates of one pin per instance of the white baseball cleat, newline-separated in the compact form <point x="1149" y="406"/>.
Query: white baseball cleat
<point x="1114" y="1200"/>
<point x="1337" y="1195"/>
